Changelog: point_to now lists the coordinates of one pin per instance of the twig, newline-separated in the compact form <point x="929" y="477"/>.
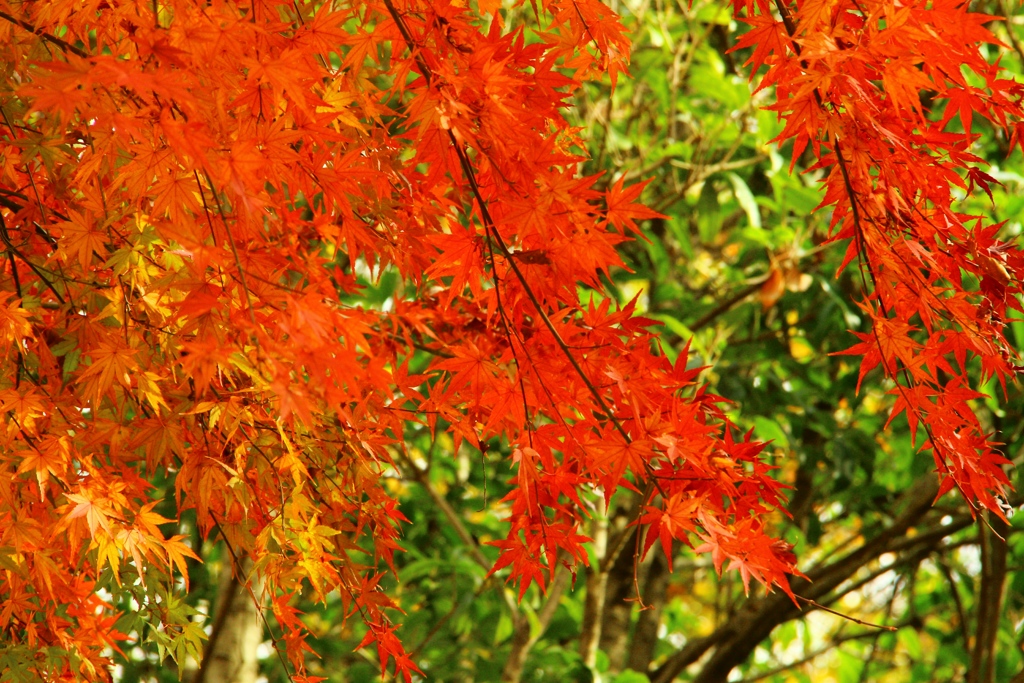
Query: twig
<point x="839" y="640"/>
<point x="5" y="237"/>
<point x="725" y="306"/>
<point x="855" y="620"/>
<point x="447" y="510"/>
<point x="491" y="228"/>
<point x="50" y="38"/>
<point x="234" y="252"/>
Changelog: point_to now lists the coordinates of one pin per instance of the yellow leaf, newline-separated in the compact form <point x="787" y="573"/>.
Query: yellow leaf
<point x="201" y="407"/>
<point x="109" y="362"/>
<point x="50" y="456"/>
<point x="95" y="517"/>
<point x="149" y="521"/>
<point x="108" y="553"/>
<point x="149" y="390"/>
<point x="177" y="551"/>
<point x="14" y="323"/>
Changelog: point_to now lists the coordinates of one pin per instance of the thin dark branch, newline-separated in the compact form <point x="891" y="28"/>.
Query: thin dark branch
<point x="961" y="614"/>
<point x="490" y="226"/>
<point x="811" y="656"/>
<point x="48" y="37"/>
<point x="5" y="237"/>
<point x="859" y="622"/>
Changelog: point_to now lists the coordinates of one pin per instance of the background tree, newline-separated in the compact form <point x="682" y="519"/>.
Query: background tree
<point x="179" y="233"/>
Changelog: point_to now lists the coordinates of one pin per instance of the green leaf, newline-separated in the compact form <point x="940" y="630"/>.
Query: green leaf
<point x="504" y="629"/>
<point x="909" y="639"/>
<point x="849" y="667"/>
<point x="536" y="629"/>
<point x="770" y="430"/>
<point x="746" y="199"/>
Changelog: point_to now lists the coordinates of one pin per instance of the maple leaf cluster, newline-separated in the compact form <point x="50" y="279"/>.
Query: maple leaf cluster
<point x="192" y="192"/>
<point x="886" y="94"/>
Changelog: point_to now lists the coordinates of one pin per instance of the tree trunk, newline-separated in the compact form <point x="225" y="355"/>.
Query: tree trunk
<point x="992" y="536"/>
<point x="522" y="640"/>
<point x="618" y="608"/>
<point x="230" y="653"/>
<point x="593" y="604"/>
<point x="645" y="637"/>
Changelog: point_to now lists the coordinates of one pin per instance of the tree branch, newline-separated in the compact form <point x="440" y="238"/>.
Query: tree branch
<point x="737" y="638"/>
<point x="525" y="636"/>
<point x="50" y="38"/>
<point x="836" y="642"/>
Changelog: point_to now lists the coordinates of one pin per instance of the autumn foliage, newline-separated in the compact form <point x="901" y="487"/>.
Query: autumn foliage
<point x="192" y="192"/>
<point x="852" y="81"/>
